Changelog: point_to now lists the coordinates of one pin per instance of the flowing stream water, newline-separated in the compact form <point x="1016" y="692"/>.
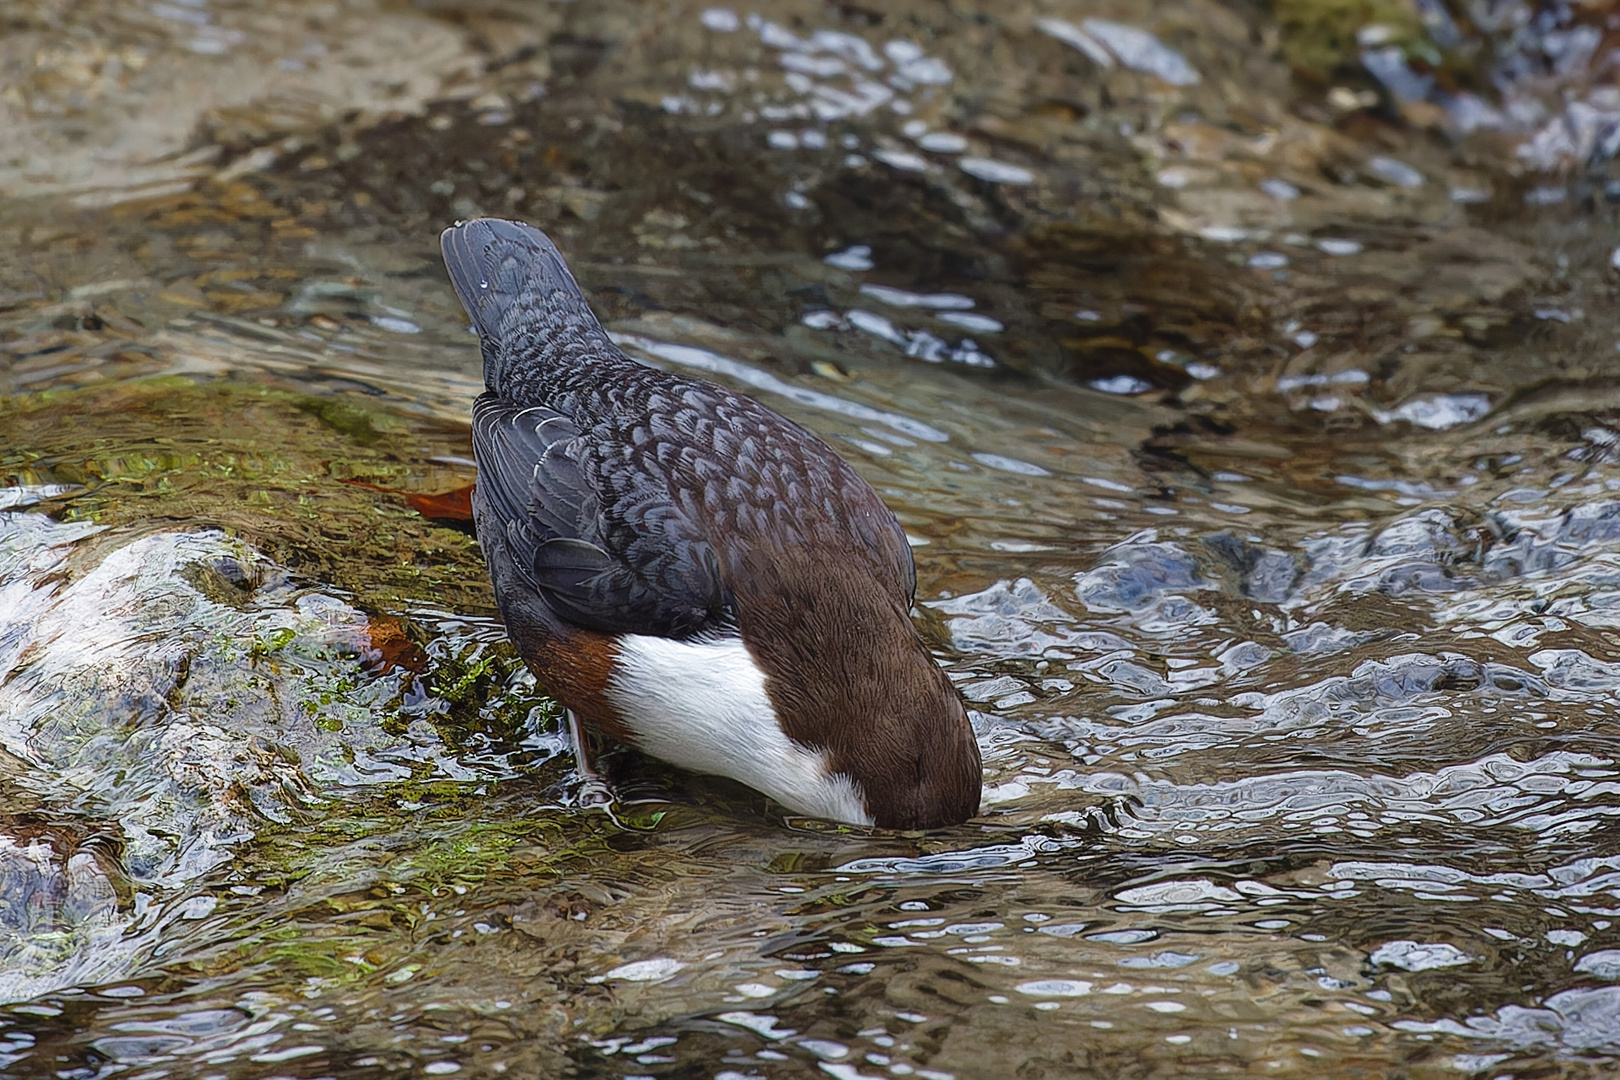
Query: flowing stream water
<point x="1246" y="376"/>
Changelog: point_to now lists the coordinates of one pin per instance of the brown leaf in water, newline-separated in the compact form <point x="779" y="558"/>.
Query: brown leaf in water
<point x="394" y="647"/>
<point x="453" y="505"/>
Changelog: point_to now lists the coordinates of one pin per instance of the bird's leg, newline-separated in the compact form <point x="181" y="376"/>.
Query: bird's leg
<point x="593" y="790"/>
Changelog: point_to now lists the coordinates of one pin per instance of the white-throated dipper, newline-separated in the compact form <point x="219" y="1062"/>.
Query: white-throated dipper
<point x="691" y="573"/>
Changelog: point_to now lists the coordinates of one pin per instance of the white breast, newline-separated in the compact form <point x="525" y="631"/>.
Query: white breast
<point x="702" y="705"/>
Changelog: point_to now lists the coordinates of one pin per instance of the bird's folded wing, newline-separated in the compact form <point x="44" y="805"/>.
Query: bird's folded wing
<point x="615" y="565"/>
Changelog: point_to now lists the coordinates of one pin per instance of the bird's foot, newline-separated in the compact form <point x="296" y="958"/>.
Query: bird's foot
<point x="594" y="794"/>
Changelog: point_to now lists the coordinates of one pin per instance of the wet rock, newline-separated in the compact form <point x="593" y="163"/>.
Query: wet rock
<point x="65" y="909"/>
<point x="190" y="721"/>
<point x="285" y="470"/>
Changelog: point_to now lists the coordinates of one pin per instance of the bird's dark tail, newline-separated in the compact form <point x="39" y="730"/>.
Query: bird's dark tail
<point x="517" y="290"/>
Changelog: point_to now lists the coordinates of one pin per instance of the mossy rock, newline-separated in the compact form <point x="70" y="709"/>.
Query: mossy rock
<point x="283" y="469"/>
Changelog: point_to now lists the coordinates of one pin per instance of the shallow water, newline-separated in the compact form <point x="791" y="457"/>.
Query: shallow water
<point x="1256" y="431"/>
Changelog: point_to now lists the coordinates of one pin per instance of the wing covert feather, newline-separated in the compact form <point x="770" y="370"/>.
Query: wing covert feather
<point x="614" y="565"/>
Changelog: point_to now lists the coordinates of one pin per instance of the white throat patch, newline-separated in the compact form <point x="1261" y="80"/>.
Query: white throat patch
<point x="702" y="705"/>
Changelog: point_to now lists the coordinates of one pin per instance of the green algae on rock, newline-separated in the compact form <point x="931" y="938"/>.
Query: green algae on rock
<point x="278" y="467"/>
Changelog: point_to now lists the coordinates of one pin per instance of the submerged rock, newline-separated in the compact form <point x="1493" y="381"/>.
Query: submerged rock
<point x="190" y="693"/>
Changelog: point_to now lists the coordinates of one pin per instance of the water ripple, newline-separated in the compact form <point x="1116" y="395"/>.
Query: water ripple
<point x="1557" y="794"/>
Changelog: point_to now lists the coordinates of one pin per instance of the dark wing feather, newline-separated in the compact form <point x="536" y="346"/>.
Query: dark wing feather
<point x="535" y="486"/>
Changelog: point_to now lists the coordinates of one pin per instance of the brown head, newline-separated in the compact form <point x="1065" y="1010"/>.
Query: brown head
<point x="849" y="675"/>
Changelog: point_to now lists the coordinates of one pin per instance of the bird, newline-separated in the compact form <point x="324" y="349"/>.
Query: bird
<point x="692" y="574"/>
